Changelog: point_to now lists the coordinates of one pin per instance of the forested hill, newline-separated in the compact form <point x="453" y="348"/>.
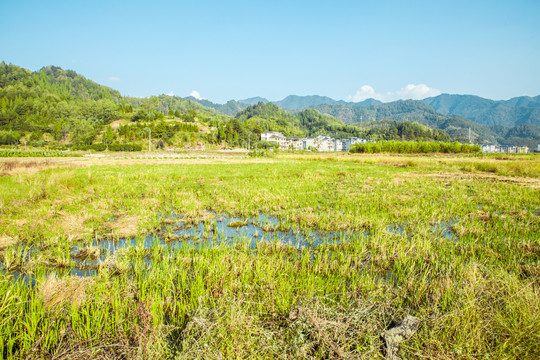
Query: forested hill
<point x="515" y="121"/>
<point x="306" y="123"/>
<point x="294" y="102"/>
<point x="451" y="114"/>
<point x="59" y="107"/>
<point x="51" y="100"/>
<point x="53" y="81"/>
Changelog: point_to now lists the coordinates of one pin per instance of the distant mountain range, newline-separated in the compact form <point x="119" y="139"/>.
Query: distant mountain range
<point x="254" y="100"/>
<point x="509" y="113"/>
<point x="515" y="121"/>
<point x="513" y="112"/>
<point x="409" y="110"/>
<point x="295" y="102"/>
<point x="291" y="102"/>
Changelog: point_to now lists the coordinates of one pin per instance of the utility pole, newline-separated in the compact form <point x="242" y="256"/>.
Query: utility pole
<point x="469" y="135"/>
<point x="149" y="136"/>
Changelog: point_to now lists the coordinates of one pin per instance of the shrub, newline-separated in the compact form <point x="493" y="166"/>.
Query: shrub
<point x="112" y="147"/>
<point x="414" y="147"/>
<point x="259" y="153"/>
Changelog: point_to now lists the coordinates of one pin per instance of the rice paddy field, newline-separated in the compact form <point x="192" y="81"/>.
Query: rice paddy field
<point x="312" y="256"/>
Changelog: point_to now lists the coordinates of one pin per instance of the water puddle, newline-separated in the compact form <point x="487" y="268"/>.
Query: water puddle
<point x="444" y="229"/>
<point x="396" y="229"/>
<point x="179" y="232"/>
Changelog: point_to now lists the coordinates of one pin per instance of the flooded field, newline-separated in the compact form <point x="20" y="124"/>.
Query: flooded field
<point x="298" y="257"/>
<point x="85" y="259"/>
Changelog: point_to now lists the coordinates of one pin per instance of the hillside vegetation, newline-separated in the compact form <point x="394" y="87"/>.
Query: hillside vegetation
<point x="59" y="108"/>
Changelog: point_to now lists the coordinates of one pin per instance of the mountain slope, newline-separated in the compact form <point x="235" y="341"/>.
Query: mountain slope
<point x="524" y="101"/>
<point x="410" y="110"/>
<point x="295" y="102"/>
<point x="53" y="80"/>
<point x="253" y="100"/>
<point x="54" y="101"/>
<point x="231" y="108"/>
<point x="513" y="112"/>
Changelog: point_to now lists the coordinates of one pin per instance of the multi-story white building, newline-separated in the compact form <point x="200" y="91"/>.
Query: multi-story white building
<point x="351" y="141"/>
<point x="271" y="135"/>
<point x="489" y="148"/>
<point x="308" y="143"/>
<point x="324" y="143"/>
<point x="295" y="143"/>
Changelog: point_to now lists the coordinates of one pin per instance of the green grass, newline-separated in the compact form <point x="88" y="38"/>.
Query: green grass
<point x="7" y="153"/>
<point x="476" y="291"/>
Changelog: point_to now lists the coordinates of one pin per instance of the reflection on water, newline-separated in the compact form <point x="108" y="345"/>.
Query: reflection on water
<point x="220" y="229"/>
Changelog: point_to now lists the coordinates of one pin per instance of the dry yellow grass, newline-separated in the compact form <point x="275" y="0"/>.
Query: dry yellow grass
<point x="125" y="226"/>
<point x="6" y="241"/>
<point x="530" y="182"/>
<point x="32" y="165"/>
<point x="58" y="292"/>
<point x="74" y="225"/>
<point x="23" y="166"/>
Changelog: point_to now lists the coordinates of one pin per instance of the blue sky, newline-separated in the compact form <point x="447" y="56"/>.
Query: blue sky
<point x="237" y="49"/>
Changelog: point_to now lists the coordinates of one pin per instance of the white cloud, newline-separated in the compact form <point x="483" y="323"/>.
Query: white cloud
<point x="195" y="94"/>
<point x="411" y="91"/>
<point x="170" y="94"/>
<point x="365" y="92"/>
<point x="417" y="92"/>
<point x="114" y="78"/>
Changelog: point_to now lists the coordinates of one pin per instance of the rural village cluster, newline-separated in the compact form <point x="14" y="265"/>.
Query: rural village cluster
<point x="328" y="143"/>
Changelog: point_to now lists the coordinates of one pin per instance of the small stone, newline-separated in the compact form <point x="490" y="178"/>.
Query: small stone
<point x="393" y="337"/>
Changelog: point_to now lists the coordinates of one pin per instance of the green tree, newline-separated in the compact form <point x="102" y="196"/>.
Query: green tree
<point x="108" y="135"/>
<point x="82" y="132"/>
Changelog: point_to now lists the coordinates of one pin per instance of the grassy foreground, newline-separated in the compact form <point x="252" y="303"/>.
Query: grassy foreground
<point x="453" y="241"/>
